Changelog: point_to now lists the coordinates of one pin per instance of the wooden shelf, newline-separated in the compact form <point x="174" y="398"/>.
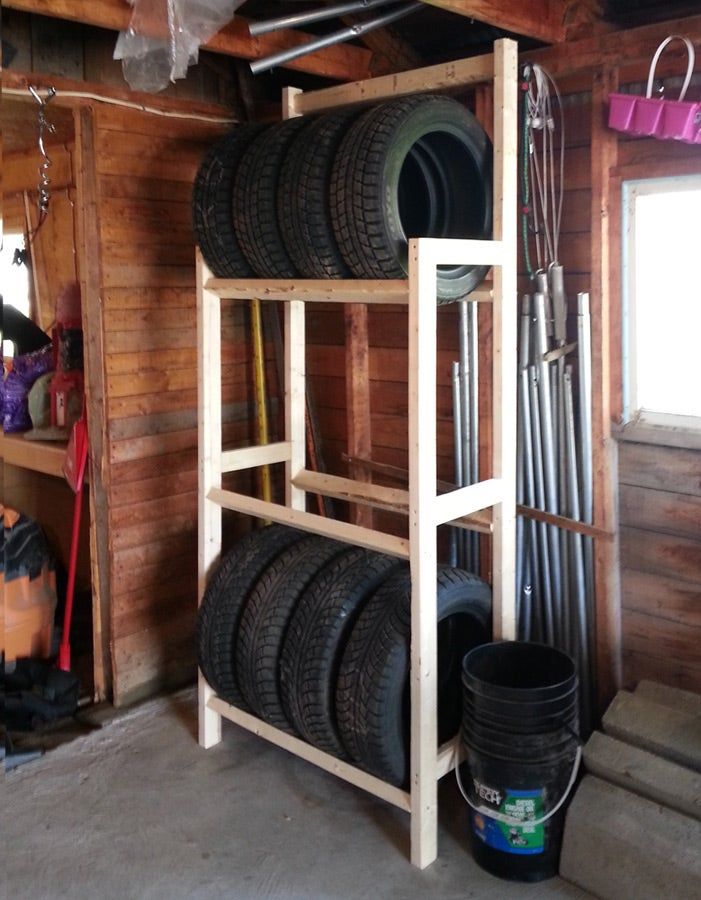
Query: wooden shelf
<point x="39" y="456"/>
<point x="488" y="506"/>
<point x="312" y="291"/>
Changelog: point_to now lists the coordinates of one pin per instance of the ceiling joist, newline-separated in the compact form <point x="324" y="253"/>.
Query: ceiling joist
<point x="343" y="62"/>
<point x="540" y="19"/>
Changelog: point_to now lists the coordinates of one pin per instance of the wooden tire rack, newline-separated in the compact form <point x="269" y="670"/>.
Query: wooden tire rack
<point x="426" y="510"/>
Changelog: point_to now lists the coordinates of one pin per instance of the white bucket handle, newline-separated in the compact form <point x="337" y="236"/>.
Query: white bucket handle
<point x="511" y="820"/>
<point x="689" y="69"/>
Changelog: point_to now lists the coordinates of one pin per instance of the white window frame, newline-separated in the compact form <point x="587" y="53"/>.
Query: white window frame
<point x="641" y="423"/>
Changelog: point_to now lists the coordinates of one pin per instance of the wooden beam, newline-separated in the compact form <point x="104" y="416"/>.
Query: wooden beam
<point x="343" y="62"/>
<point x="604" y="152"/>
<point x="359" y="426"/>
<point x="617" y="48"/>
<point x="541" y="19"/>
<point x="88" y="257"/>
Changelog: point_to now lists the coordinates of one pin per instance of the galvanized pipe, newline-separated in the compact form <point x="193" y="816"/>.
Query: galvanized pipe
<point x="329" y="40"/>
<point x="556" y="284"/>
<point x="316" y="15"/>
<point x="548" y="457"/>
<point x="544" y="544"/>
<point x="473" y="338"/>
<point x="579" y="578"/>
<point x="455" y="540"/>
<point x="584" y="360"/>
<point x="585" y="427"/>
<point x="542" y="287"/>
<point x="465" y="410"/>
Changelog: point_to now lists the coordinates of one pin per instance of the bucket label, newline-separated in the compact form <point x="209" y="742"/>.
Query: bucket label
<point x="522" y="839"/>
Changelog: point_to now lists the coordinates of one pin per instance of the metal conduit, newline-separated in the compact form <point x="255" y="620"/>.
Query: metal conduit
<point x="329" y="40"/>
<point x="316" y="15"/>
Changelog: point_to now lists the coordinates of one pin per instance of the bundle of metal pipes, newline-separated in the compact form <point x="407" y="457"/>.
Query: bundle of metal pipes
<point x="554" y="574"/>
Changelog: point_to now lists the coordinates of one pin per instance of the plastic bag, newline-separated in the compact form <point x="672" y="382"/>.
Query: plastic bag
<point x="15" y="387"/>
<point x="164" y="38"/>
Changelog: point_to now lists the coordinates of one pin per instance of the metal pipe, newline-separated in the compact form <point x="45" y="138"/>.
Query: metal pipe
<point x="473" y="338"/>
<point x="526" y="605"/>
<point x="579" y="578"/>
<point x="584" y="360"/>
<point x="329" y="40"/>
<point x="523" y="350"/>
<point x="464" y="343"/>
<point x="542" y="287"/>
<point x="585" y="428"/>
<point x="316" y="15"/>
<point x="556" y="284"/>
<point x="455" y="551"/>
<point x="531" y="379"/>
<point x="531" y="528"/>
<point x="548" y="456"/>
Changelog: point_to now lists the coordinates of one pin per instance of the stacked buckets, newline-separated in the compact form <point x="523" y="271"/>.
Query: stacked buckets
<point x="519" y="728"/>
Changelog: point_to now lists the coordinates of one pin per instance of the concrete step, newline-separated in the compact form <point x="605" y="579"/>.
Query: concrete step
<point x="670" y="733"/>
<point x="674" y="698"/>
<point x="617" y="845"/>
<point x="644" y="773"/>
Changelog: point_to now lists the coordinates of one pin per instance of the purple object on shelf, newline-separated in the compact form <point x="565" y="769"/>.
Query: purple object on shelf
<point x="656" y="117"/>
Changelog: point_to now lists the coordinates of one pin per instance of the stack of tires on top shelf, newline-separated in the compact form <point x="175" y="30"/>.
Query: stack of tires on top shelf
<point x="338" y="195"/>
<point x="312" y="636"/>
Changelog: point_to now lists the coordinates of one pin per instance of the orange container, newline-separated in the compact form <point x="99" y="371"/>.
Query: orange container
<point x="28" y="609"/>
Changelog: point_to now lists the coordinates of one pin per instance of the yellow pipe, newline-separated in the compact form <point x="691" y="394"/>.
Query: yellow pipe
<point x="260" y="392"/>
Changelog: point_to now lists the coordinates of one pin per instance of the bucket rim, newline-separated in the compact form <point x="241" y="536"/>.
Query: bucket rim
<point x="539" y="693"/>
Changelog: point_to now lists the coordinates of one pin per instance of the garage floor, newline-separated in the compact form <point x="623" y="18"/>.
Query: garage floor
<point x="138" y="810"/>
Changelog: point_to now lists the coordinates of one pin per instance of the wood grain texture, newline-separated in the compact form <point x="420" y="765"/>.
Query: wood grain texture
<point x="666" y="670"/>
<point x="663" y="554"/>
<point x="663" y="512"/>
<point x="660" y="468"/>
<point x="661" y="596"/>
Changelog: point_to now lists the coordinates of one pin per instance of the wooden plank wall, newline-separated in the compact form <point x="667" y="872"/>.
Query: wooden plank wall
<point x="146" y="165"/>
<point x="660" y="507"/>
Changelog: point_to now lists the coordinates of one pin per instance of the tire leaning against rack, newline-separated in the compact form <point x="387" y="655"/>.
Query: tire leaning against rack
<point x="224" y="600"/>
<point x="372" y="695"/>
<point x="255" y="200"/>
<point x="316" y="638"/>
<point x="265" y="620"/>
<point x="413" y="167"/>
<point x="211" y="204"/>
<point x="304" y="212"/>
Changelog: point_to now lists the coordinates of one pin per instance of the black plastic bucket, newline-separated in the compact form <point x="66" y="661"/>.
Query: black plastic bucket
<point x="519" y="727"/>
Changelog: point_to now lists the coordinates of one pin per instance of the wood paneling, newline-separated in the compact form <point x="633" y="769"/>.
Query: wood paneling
<point x="145" y="165"/>
<point x="660" y="503"/>
<point x="660" y="468"/>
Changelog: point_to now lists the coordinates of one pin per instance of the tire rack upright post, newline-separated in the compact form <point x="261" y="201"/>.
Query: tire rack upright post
<point x="425" y="510"/>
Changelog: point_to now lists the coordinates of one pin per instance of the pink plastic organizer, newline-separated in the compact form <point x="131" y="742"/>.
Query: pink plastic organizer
<point x="676" y="120"/>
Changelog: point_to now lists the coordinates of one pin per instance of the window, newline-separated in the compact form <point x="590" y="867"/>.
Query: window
<point x="14" y="280"/>
<point x="662" y="301"/>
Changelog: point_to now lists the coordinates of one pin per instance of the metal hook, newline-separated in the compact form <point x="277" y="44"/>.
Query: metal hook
<point x="44" y="126"/>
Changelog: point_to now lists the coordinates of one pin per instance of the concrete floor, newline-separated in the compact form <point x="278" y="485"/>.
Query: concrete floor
<point x="138" y="810"/>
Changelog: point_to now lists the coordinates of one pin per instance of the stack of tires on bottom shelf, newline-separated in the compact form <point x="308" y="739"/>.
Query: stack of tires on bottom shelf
<point x="312" y="636"/>
<point x="338" y="195"/>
